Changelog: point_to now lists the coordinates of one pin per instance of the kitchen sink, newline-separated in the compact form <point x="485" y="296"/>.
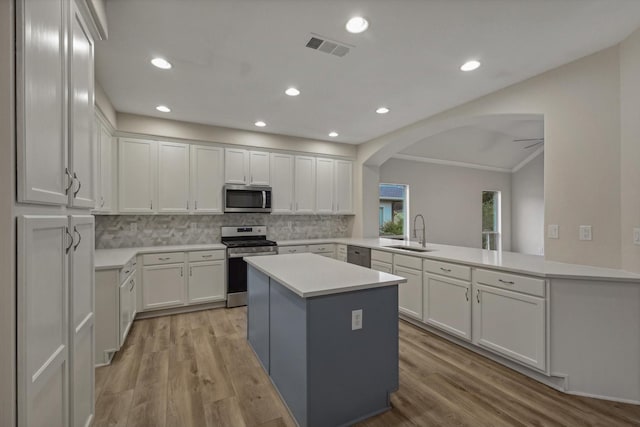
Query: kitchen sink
<point x="410" y="248"/>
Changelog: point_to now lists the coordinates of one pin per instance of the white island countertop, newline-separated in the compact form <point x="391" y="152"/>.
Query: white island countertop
<point x="310" y="275"/>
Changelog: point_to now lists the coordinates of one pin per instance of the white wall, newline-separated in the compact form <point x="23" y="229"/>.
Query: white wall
<point x="450" y="198"/>
<point x="527" y="208"/>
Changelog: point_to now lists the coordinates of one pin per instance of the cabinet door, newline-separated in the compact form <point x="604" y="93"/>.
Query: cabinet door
<point x="43" y="321"/>
<point x="380" y="266"/>
<point x="163" y="286"/>
<point x="410" y="293"/>
<point x="82" y="318"/>
<point x="305" y="184"/>
<point x="324" y="186"/>
<point x="81" y="116"/>
<point x="136" y="177"/>
<point x="343" y="186"/>
<point x="40" y="95"/>
<point x="259" y="168"/>
<point x="236" y="166"/>
<point x="173" y="177"/>
<point x="133" y="298"/>
<point x="106" y="151"/>
<point x="511" y="324"/>
<point x="447" y="305"/>
<point x="281" y="183"/>
<point x="125" y="311"/>
<point x="207" y="179"/>
<point x="206" y="281"/>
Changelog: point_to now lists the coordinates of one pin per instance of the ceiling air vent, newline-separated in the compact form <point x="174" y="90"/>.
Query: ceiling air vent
<point x="323" y="44"/>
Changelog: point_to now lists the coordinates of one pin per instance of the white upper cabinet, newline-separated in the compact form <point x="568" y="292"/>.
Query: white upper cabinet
<point x="81" y="117"/>
<point x="207" y="165"/>
<point x="173" y="177"/>
<point x="281" y="183"/>
<point x="137" y="175"/>
<point x="324" y="186"/>
<point x="105" y="169"/>
<point x="40" y="94"/>
<point x="305" y="184"/>
<point x="343" y="193"/>
<point x="246" y="167"/>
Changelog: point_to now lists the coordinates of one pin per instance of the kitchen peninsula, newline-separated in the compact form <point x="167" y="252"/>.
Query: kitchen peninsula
<point x="326" y="332"/>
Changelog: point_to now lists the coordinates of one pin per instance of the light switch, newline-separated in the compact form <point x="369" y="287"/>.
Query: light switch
<point x="133" y="227"/>
<point x="194" y="225"/>
<point x="636" y="236"/>
<point x="585" y="232"/>
<point x="356" y="319"/>
<point x="553" y="231"/>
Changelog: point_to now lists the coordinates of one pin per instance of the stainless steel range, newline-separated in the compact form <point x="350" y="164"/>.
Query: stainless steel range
<point x="240" y="242"/>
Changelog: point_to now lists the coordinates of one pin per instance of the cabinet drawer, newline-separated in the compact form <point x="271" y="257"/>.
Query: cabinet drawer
<point x="292" y="249"/>
<point x="446" y="269"/>
<point x="514" y="282"/>
<point x="206" y="255"/>
<point x="382" y="256"/>
<point x="407" y="261"/>
<point x="381" y="266"/>
<point x="168" y="258"/>
<point x="341" y="249"/>
<point x="316" y="249"/>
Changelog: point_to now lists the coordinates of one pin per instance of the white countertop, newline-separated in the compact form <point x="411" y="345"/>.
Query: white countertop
<point x="310" y="275"/>
<point x="108" y="259"/>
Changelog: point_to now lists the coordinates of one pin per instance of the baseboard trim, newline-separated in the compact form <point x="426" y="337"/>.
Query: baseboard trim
<point x="178" y="310"/>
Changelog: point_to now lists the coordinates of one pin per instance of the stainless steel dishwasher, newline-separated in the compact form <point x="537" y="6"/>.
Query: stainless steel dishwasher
<point x="359" y="256"/>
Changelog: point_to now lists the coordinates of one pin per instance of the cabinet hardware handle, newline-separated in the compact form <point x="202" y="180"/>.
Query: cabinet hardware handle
<point x="506" y="282"/>
<point x="127" y="272"/>
<point x="196" y="205"/>
<point x="478" y="296"/>
<point x="244" y="178"/>
<point x="448" y="270"/>
<point x="190" y="271"/>
<point x="151" y="204"/>
<point x="66" y="229"/>
<point x="132" y="284"/>
<point x="75" y="230"/>
<point x="101" y="201"/>
<point x="187" y="205"/>
<point x="466" y="294"/>
<point x="75" y="177"/>
<point x="181" y="271"/>
<point x="69" y="181"/>
<point x="164" y="258"/>
<point x="207" y="256"/>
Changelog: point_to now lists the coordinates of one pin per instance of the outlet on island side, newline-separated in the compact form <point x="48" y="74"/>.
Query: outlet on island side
<point x="636" y="236"/>
<point x="585" y="232"/>
<point x="356" y="319"/>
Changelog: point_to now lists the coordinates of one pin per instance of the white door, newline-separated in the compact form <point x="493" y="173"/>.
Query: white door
<point x="207" y="179"/>
<point x="81" y="117"/>
<point x="173" y="177"/>
<point x="447" y="305"/>
<point x="206" y="281"/>
<point x="344" y="186"/>
<point x="259" y="168"/>
<point x="163" y="286"/>
<point x="125" y="310"/>
<point x="81" y="316"/>
<point x="137" y="161"/>
<point x="43" y="320"/>
<point x="105" y="177"/>
<point x="281" y="183"/>
<point x="410" y="293"/>
<point x="511" y="324"/>
<point x="381" y="266"/>
<point x="236" y="166"/>
<point x="324" y="186"/>
<point x="133" y="298"/>
<point x="305" y="184"/>
<point x="40" y="95"/>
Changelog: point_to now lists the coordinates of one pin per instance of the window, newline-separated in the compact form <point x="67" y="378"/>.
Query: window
<point x="392" y="213"/>
<point x="491" y="226"/>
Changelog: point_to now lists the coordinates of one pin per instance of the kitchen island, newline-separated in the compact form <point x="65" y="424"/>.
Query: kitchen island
<point x="326" y="332"/>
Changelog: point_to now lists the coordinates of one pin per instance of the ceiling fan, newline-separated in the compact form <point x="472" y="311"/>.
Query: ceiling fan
<point x="536" y="142"/>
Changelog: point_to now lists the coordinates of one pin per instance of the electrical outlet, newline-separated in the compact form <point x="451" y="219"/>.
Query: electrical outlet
<point x="636" y="236"/>
<point x="356" y="319"/>
<point x="553" y="231"/>
<point x="585" y="232"/>
<point x="194" y="225"/>
<point x="133" y="227"/>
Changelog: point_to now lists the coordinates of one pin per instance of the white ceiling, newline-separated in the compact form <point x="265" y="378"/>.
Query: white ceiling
<point x="233" y="59"/>
<point x="488" y="143"/>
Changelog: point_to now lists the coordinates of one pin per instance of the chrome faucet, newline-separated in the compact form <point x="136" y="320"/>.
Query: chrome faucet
<point x="423" y="242"/>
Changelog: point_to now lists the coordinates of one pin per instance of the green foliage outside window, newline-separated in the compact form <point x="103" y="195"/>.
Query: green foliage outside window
<point x="395" y="226"/>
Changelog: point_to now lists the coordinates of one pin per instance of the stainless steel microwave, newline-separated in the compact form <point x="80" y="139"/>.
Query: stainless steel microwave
<point x="247" y="198"/>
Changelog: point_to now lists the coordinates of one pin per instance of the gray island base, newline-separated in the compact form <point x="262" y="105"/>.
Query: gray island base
<point x="332" y="364"/>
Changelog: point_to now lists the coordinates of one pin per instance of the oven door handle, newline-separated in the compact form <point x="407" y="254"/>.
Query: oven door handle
<point x="252" y="254"/>
<point x="264" y="199"/>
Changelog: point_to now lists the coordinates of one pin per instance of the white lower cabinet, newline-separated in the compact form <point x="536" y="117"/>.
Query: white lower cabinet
<point x="410" y="293"/>
<point x="341" y="253"/>
<point x="382" y="266"/>
<point x="327" y="250"/>
<point x="206" y="281"/>
<point x="296" y="249"/>
<point x="163" y="286"/>
<point x="447" y="305"/>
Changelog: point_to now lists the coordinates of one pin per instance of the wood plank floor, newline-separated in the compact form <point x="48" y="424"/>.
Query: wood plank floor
<point x="196" y="370"/>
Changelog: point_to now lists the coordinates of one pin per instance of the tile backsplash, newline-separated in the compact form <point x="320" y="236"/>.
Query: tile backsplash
<point x="125" y="231"/>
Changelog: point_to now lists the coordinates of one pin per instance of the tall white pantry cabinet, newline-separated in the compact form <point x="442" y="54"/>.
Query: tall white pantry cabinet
<point x="56" y="190"/>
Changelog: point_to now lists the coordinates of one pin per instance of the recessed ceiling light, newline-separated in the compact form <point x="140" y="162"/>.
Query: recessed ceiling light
<point x="382" y="110"/>
<point x="161" y="63"/>
<point x="357" y="24"/>
<point x="470" y="65"/>
<point x="292" y="91"/>
<point x="163" y="108"/>
<point x="260" y="124"/>
<point x="333" y="134"/>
